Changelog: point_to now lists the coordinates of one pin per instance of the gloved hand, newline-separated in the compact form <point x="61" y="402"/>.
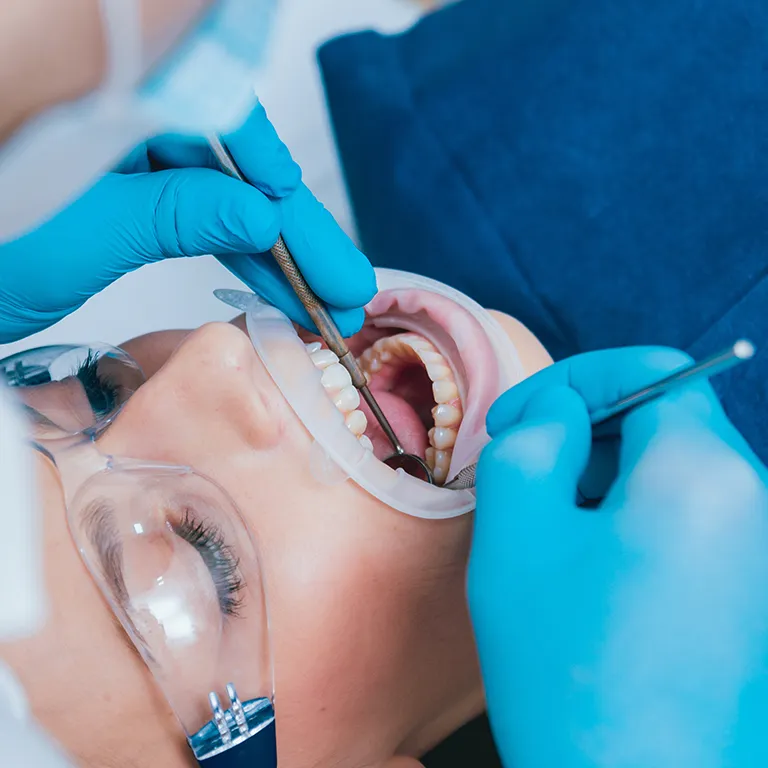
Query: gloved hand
<point x="169" y="199"/>
<point x="634" y="635"/>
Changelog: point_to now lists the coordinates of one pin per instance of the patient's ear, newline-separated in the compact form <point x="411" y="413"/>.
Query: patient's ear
<point x="402" y="762"/>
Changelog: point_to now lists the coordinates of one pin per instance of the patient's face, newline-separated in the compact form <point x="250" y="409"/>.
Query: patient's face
<point x="373" y="649"/>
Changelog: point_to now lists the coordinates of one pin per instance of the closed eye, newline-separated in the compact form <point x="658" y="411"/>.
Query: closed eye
<point x="99" y="521"/>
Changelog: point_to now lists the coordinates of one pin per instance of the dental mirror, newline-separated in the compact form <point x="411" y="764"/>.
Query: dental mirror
<point x="412" y="465"/>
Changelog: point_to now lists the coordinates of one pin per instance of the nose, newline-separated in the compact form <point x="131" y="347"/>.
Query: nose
<point x="212" y="395"/>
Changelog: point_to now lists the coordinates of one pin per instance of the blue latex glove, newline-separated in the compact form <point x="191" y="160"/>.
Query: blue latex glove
<point x="635" y="635"/>
<point x="169" y="199"/>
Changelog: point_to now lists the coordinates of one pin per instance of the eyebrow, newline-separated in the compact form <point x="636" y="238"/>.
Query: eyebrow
<point x="99" y="524"/>
<point x="37" y="418"/>
<point x="100" y="527"/>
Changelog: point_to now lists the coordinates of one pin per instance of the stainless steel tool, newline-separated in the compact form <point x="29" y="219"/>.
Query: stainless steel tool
<point x="737" y="353"/>
<point x="330" y="333"/>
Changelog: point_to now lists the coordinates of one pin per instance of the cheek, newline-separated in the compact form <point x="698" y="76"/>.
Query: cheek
<point x="338" y="636"/>
<point x="348" y="583"/>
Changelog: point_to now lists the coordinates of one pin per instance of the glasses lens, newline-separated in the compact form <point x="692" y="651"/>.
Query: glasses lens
<point x="174" y="559"/>
<point x="70" y="389"/>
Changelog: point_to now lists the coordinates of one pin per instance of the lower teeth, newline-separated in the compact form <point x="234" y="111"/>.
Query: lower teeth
<point x="447" y="413"/>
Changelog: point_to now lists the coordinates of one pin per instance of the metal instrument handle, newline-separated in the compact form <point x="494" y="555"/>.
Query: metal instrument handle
<point x="319" y="314"/>
<point x="737" y="353"/>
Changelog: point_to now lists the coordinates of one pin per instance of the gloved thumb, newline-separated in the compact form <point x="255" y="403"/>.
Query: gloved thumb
<point x="527" y="479"/>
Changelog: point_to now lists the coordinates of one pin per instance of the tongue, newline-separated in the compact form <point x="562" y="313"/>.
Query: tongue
<point x="404" y="421"/>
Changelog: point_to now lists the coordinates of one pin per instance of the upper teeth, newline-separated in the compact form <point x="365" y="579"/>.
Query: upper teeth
<point x="336" y="377"/>
<point x="407" y="347"/>
<point x="446" y="415"/>
<point x="338" y="384"/>
<point x="445" y="391"/>
<point x="322" y="358"/>
<point x="347" y="400"/>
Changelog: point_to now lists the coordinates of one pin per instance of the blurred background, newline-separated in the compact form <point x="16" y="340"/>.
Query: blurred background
<point x="178" y="294"/>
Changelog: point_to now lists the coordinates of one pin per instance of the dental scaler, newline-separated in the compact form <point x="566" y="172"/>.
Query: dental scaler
<point x="330" y="333"/>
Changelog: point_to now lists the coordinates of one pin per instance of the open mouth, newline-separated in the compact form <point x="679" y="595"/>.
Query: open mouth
<point x="431" y="368"/>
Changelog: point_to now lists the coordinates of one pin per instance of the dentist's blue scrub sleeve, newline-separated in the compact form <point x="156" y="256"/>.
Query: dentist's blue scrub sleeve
<point x="597" y="168"/>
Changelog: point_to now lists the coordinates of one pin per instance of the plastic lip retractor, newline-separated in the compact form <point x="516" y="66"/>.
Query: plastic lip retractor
<point x="168" y="549"/>
<point x="337" y="455"/>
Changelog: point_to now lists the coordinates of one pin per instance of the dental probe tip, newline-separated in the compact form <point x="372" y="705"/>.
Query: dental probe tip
<point x="744" y="349"/>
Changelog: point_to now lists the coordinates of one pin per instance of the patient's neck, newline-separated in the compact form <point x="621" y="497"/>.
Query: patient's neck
<point x="459" y="713"/>
<point x="449" y="676"/>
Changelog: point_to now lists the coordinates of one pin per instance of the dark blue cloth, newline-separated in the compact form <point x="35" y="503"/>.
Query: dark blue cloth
<point x="597" y="168"/>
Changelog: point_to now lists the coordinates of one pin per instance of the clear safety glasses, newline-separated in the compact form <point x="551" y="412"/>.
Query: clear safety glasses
<point x="168" y="549"/>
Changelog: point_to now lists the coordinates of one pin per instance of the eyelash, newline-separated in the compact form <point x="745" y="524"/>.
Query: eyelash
<point x="102" y="393"/>
<point x="218" y="557"/>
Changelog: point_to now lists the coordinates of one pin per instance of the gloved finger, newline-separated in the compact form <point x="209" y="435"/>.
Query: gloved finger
<point x="335" y="269"/>
<point x="19" y="320"/>
<point x="683" y="416"/>
<point x="136" y="161"/>
<point x="601" y="470"/>
<point x="686" y="484"/>
<point x="262" y="275"/>
<point x="263" y="159"/>
<point x="527" y="479"/>
<point x="260" y="155"/>
<point x="196" y="211"/>
<point x="178" y="150"/>
<point x="601" y="378"/>
<point x="125" y="221"/>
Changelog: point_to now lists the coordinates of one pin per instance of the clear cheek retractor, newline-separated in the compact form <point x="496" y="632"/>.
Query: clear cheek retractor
<point x="167" y="548"/>
<point x="337" y="454"/>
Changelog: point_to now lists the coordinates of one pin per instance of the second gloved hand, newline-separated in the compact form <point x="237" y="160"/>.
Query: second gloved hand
<point x="167" y="200"/>
<point x="634" y="634"/>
